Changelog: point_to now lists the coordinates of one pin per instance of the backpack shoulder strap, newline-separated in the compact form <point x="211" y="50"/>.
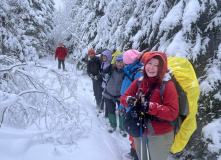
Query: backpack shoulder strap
<point x="139" y="82"/>
<point x="135" y="72"/>
<point x="128" y="77"/>
<point x="162" y="88"/>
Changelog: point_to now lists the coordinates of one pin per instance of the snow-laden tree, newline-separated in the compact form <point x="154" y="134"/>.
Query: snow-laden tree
<point x="41" y="98"/>
<point x="183" y="28"/>
<point x="26" y="26"/>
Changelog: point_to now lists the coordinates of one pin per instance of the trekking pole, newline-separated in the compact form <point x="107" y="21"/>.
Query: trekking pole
<point x="141" y="137"/>
<point x="148" y="154"/>
<point x="141" y="124"/>
<point x="101" y="103"/>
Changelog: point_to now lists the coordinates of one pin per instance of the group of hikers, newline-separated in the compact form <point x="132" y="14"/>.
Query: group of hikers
<point x="132" y="81"/>
<point x="151" y="107"/>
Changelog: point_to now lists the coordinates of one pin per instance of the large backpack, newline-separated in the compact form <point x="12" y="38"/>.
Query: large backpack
<point x="185" y="76"/>
<point x="182" y="74"/>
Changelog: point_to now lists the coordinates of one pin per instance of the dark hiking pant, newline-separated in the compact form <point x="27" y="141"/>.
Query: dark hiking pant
<point x="111" y="106"/>
<point x="59" y="64"/>
<point x="97" y="90"/>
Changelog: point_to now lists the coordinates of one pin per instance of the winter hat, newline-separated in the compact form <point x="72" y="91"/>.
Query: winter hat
<point x="147" y="55"/>
<point x="114" y="56"/>
<point x="119" y="57"/>
<point x="131" y="56"/>
<point x="91" y="51"/>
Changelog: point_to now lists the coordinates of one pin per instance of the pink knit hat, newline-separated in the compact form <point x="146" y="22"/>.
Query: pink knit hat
<point x="130" y="56"/>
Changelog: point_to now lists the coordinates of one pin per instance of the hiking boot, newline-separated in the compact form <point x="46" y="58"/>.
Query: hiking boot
<point x="123" y="133"/>
<point x="133" y="153"/>
<point x="112" y="130"/>
<point x="106" y="115"/>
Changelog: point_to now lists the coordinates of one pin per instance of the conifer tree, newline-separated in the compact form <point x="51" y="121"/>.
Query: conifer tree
<point x="27" y="25"/>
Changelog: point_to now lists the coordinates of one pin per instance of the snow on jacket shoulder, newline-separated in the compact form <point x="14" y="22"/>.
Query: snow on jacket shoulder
<point x="61" y="53"/>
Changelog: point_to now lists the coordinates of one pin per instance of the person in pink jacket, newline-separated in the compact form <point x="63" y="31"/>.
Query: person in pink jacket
<point x="61" y="53"/>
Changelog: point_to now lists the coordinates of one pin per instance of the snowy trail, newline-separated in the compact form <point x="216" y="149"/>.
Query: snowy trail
<point x="115" y="143"/>
<point x="96" y="144"/>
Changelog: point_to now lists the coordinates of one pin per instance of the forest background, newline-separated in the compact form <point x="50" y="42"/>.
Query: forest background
<point x="31" y="29"/>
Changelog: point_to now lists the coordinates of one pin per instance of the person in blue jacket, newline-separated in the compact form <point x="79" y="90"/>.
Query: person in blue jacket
<point x="132" y="70"/>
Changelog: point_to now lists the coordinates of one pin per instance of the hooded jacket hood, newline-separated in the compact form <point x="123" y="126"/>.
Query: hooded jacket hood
<point x="108" y="54"/>
<point x="148" y="55"/>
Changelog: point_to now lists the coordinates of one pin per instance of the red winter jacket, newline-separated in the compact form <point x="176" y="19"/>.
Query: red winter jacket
<point x="168" y="110"/>
<point x="61" y="53"/>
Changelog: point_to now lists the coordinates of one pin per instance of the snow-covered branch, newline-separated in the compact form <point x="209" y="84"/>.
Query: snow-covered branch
<point x="40" y="97"/>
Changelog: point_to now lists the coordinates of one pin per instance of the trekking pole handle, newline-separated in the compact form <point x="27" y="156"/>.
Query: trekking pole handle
<point x="140" y="91"/>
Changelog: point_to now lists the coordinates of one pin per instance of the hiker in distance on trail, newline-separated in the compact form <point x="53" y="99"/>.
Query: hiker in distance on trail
<point x="151" y="110"/>
<point x="61" y="53"/>
<point x="93" y="71"/>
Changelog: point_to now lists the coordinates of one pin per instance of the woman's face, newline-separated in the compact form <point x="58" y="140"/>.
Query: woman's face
<point x="151" y="67"/>
<point x="104" y="58"/>
<point x="119" y="64"/>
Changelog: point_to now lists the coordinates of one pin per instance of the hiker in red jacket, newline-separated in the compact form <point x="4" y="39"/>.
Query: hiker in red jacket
<point x="157" y="112"/>
<point x="61" y="53"/>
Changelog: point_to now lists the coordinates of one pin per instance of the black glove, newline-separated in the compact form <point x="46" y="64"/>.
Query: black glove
<point x="130" y="101"/>
<point x="142" y="106"/>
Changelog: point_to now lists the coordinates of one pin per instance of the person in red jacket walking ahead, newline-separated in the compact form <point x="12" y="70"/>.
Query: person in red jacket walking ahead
<point x="61" y="53"/>
<point x="158" y="110"/>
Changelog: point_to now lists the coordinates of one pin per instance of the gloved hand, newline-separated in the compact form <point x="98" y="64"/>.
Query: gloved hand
<point x="142" y="106"/>
<point x="122" y="112"/>
<point x="91" y="76"/>
<point x="95" y="77"/>
<point x="107" y="76"/>
<point x="130" y="101"/>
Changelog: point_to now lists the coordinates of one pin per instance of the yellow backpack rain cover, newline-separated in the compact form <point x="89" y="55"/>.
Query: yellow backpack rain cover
<point x="185" y="75"/>
<point x="114" y="56"/>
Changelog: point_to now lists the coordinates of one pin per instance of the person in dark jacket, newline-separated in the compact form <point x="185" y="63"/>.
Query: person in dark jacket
<point x="93" y="68"/>
<point x="61" y="53"/>
<point x="157" y="111"/>
<point x="114" y="77"/>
